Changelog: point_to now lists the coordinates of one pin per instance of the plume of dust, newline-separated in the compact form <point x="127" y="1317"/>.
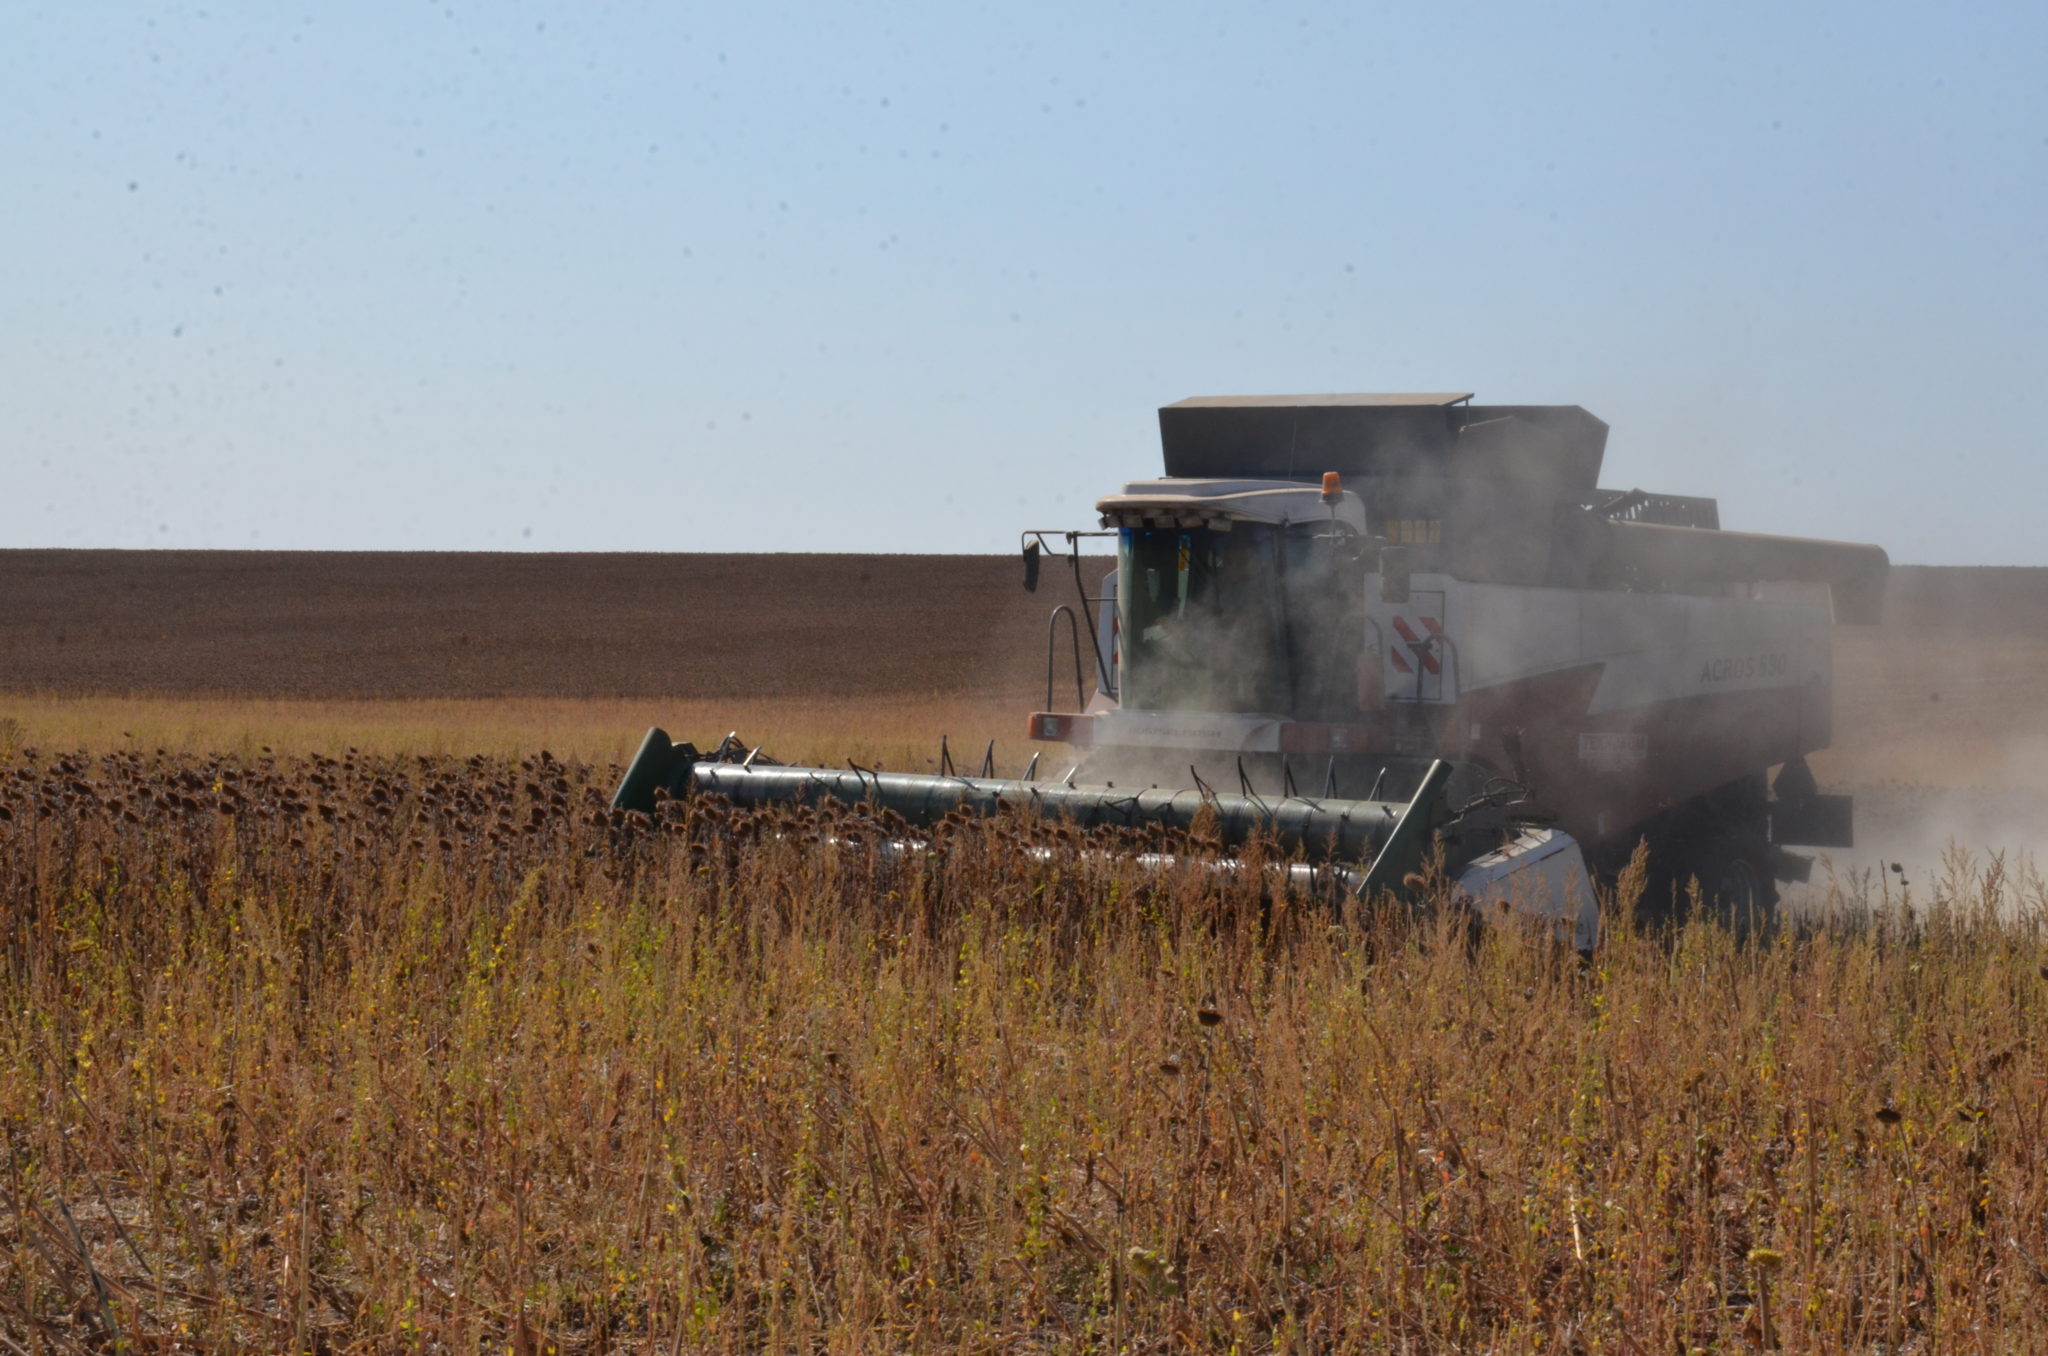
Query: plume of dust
<point x="1930" y="843"/>
<point x="1942" y="736"/>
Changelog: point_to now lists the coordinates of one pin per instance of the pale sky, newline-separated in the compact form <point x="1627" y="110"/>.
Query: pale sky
<point x="912" y="277"/>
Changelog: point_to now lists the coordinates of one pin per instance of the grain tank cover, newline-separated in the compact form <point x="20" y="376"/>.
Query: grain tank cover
<point x="1431" y="436"/>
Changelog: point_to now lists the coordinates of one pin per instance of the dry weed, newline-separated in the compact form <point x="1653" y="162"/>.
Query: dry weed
<point x="426" y="1054"/>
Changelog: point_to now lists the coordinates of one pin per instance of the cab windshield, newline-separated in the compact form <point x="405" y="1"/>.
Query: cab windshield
<point x="1252" y="618"/>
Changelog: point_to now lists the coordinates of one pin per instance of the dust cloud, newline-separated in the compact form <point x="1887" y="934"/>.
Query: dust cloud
<point x="1941" y="734"/>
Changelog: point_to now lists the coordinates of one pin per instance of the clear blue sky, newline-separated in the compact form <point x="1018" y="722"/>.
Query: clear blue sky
<point x="910" y="277"/>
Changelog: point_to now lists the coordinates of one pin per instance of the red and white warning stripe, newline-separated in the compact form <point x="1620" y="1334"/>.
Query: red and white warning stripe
<point x="1426" y="653"/>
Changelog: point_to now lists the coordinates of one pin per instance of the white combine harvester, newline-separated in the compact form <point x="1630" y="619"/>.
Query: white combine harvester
<point x="1387" y="630"/>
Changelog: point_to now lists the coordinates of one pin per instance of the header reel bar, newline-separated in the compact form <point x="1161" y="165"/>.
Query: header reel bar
<point x="1392" y="837"/>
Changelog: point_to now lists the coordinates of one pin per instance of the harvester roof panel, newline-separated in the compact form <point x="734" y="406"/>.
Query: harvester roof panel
<point x="1170" y="501"/>
<point x="1378" y="400"/>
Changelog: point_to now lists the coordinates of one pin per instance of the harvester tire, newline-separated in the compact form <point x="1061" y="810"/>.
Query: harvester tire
<point x="1736" y="889"/>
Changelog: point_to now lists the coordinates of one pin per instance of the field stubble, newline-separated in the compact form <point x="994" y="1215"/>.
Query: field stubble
<point x="421" y="1053"/>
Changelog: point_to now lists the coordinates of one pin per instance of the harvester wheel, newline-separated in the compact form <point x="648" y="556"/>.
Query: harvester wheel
<point x="1735" y="884"/>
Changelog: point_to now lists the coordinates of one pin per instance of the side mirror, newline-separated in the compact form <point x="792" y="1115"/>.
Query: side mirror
<point x="1031" y="566"/>
<point x="1394" y="572"/>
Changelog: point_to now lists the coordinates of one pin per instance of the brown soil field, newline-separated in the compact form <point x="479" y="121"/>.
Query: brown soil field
<point x="381" y="625"/>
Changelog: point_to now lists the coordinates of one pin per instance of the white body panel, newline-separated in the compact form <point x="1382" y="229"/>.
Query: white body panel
<point x="1541" y="873"/>
<point x="1655" y="646"/>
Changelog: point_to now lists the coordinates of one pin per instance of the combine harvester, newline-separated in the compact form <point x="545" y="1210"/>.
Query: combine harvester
<point x="1405" y="633"/>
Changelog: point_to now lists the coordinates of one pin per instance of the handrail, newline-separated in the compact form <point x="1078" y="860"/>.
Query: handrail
<point x="1052" y="636"/>
<point x="1446" y="649"/>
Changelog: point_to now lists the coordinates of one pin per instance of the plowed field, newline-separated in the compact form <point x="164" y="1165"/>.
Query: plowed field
<point x="376" y="625"/>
